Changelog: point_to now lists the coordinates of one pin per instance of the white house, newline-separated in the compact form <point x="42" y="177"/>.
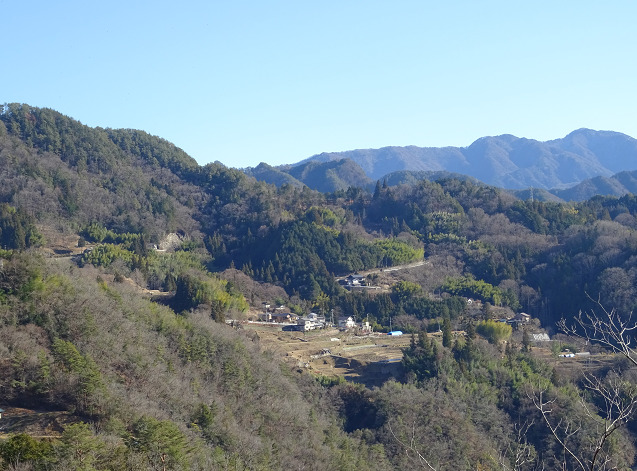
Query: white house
<point x="315" y="317"/>
<point x="308" y="324"/>
<point x="346" y="323"/>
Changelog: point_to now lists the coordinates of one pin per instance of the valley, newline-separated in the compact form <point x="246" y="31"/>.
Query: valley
<point x="119" y="351"/>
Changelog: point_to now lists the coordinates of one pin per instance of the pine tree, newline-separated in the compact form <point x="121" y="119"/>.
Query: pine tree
<point x="377" y="190"/>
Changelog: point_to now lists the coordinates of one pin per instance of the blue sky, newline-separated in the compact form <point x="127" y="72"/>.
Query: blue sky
<point x="244" y="82"/>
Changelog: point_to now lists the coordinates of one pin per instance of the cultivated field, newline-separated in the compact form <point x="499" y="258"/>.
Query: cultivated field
<point x="368" y="359"/>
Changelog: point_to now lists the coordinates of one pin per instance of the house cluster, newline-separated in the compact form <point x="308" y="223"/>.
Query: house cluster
<point x="313" y="321"/>
<point x="356" y="281"/>
<point x="279" y="314"/>
<point x="519" y="319"/>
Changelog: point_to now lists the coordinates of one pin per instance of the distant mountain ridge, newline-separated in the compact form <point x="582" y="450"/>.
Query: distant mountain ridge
<point x="618" y="185"/>
<point x="505" y="161"/>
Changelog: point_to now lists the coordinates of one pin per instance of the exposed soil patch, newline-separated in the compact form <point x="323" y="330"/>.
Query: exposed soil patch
<point x="59" y="244"/>
<point x="38" y="424"/>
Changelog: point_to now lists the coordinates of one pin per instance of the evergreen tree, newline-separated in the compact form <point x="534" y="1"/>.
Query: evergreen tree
<point x="377" y="190"/>
<point x="486" y="311"/>
<point x="526" y="340"/>
<point x="446" y="333"/>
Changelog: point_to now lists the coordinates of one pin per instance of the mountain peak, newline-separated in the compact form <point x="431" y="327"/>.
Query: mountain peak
<point x="506" y="160"/>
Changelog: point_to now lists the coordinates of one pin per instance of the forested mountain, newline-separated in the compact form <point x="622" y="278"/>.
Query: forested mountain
<point x="507" y="161"/>
<point x="325" y="177"/>
<point x="275" y="176"/>
<point x="126" y="343"/>
<point x="619" y="184"/>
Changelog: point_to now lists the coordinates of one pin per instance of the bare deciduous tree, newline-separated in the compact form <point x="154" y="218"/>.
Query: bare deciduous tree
<point x="616" y="398"/>
<point x="607" y="328"/>
<point x="618" y="402"/>
<point x="521" y="453"/>
<point x="411" y="446"/>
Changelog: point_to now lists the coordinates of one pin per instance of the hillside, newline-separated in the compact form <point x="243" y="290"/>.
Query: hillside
<point x="507" y="161"/>
<point x="157" y="384"/>
<point x="62" y="172"/>
<point x="619" y="184"/>
<point x="325" y="177"/>
<point x="129" y="276"/>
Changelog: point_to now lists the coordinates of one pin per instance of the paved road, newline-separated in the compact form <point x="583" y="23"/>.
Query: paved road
<point x="390" y="269"/>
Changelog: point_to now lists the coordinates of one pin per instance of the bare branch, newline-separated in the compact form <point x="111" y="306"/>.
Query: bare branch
<point x="422" y="460"/>
<point x="618" y="397"/>
<point x="523" y="453"/>
<point x="606" y="328"/>
<point x="562" y="431"/>
<point x="620" y="404"/>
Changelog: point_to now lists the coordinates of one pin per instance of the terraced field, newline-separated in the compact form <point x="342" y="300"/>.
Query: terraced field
<point x="368" y="359"/>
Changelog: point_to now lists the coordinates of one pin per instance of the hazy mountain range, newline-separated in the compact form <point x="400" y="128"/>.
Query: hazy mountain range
<point x="582" y="164"/>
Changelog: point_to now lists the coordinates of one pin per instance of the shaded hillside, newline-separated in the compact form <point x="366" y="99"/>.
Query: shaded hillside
<point x="330" y="176"/>
<point x="412" y="177"/>
<point x="325" y="177"/>
<point x="536" y="194"/>
<point x="617" y="185"/>
<point x="275" y="176"/>
<point x="508" y="161"/>
<point x="379" y="162"/>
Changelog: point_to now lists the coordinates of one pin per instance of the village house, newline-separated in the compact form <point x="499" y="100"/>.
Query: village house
<point x="346" y="323"/>
<point x="311" y="322"/>
<point x="521" y="318"/>
<point x="366" y="327"/>
<point x="308" y="324"/>
<point x="353" y="281"/>
<point x="356" y="280"/>
<point x="315" y="317"/>
<point x="283" y="317"/>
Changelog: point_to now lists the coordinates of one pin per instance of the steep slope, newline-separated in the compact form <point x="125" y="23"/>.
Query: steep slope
<point x="65" y="173"/>
<point x="165" y="391"/>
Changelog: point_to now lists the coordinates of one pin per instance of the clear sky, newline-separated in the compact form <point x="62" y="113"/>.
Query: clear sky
<point x="244" y="82"/>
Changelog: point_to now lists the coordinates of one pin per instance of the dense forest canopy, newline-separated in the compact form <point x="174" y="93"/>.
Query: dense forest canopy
<point x="154" y="384"/>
